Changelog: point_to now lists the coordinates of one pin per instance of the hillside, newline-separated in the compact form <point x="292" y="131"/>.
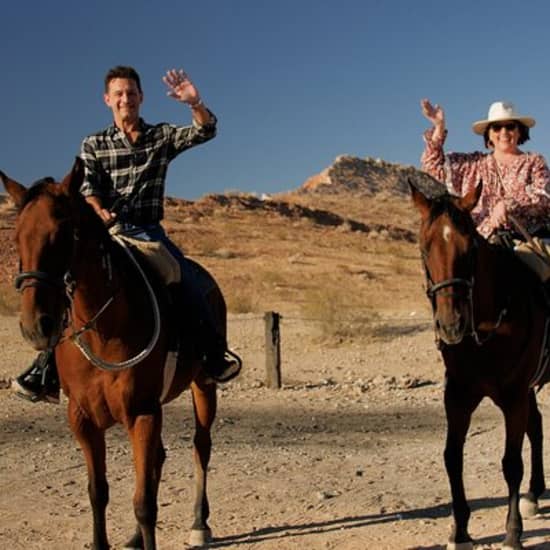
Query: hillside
<point x="342" y="241"/>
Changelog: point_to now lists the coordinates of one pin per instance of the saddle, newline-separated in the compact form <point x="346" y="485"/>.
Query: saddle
<point x="157" y="256"/>
<point x="181" y="286"/>
<point x="534" y="253"/>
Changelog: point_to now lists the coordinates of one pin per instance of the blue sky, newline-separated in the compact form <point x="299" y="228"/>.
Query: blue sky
<point x="293" y="83"/>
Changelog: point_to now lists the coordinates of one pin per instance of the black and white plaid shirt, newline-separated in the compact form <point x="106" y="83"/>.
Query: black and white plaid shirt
<point x="129" y="178"/>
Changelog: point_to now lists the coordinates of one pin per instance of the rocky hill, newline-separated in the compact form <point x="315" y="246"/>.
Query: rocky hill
<point x="368" y="177"/>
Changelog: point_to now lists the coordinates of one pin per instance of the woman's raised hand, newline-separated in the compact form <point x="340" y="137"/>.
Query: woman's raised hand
<point x="434" y="113"/>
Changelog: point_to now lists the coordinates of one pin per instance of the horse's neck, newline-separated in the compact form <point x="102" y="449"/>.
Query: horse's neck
<point x="97" y="281"/>
<point x="492" y="285"/>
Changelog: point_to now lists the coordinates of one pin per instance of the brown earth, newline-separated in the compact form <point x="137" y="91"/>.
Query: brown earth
<point x="346" y="455"/>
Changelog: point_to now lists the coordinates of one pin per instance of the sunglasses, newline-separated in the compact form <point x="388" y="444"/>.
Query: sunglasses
<point x="510" y="126"/>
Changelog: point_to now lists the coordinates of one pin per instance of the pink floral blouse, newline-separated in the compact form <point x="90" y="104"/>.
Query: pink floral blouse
<point x="524" y="185"/>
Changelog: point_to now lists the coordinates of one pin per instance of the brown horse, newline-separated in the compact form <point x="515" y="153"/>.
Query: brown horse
<point x="81" y="292"/>
<point x="490" y="320"/>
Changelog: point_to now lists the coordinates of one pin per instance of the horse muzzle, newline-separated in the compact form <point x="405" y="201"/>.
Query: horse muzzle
<point x="451" y="331"/>
<point x="42" y="331"/>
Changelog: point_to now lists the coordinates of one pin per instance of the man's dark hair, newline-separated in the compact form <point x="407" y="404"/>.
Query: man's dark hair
<point x="121" y="71"/>
<point x="523" y="134"/>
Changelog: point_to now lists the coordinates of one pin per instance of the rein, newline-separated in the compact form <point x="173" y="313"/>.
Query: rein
<point x="132" y="361"/>
<point x="67" y="285"/>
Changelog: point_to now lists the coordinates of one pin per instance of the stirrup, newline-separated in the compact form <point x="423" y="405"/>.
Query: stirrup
<point x="33" y="384"/>
<point x="49" y="396"/>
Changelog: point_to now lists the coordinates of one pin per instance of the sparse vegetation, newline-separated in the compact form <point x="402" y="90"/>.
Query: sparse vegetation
<point x="340" y="318"/>
<point x="241" y="301"/>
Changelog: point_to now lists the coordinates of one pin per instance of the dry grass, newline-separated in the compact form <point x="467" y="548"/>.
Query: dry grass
<point x="340" y="316"/>
<point x="266" y="261"/>
<point x="241" y="297"/>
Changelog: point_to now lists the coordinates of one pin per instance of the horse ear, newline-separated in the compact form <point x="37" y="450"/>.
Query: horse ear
<point x="469" y="200"/>
<point x="15" y="190"/>
<point x="73" y="180"/>
<point x="420" y="200"/>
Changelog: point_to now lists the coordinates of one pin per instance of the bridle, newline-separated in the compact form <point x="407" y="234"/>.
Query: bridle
<point x="39" y="278"/>
<point x="67" y="285"/>
<point x="433" y="288"/>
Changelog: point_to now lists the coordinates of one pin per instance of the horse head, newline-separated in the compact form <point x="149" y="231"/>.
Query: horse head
<point x="448" y="243"/>
<point x="44" y="236"/>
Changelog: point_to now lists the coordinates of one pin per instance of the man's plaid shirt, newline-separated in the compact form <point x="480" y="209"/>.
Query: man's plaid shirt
<point x="129" y="178"/>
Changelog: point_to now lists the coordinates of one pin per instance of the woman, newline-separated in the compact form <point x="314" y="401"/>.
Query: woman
<point x="515" y="183"/>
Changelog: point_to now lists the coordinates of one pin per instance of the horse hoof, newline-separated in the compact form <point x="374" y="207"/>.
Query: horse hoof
<point x="199" y="537"/>
<point x="528" y="506"/>
<point x="460" y="546"/>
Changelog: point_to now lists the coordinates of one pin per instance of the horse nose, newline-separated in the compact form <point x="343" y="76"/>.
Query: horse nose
<point x="451" y="332"/>
<point x="39" y="334"/>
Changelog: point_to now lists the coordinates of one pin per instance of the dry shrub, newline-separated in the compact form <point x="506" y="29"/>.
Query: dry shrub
<point x="241" y="301"/>
<point x="240" y="295"/>
<point x="340" y="316"/>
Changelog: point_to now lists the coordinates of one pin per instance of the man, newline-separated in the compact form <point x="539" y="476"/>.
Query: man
<point x="125" y="171"/>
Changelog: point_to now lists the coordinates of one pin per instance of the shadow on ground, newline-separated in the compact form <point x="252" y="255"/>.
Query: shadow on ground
<point x="356" y="522"/>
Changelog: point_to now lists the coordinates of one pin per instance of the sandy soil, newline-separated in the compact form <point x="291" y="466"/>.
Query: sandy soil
<point x="347" y="455"/>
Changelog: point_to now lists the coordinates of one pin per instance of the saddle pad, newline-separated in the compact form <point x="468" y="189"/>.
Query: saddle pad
<point x="158" y="256"/>
<point x="537" y="258"/>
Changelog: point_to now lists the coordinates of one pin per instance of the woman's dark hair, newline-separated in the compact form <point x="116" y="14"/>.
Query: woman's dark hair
<point x="523" y="134"/>
<point x="121" y="71"/>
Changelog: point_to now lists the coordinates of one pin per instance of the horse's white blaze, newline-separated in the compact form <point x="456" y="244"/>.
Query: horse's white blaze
<point x="447" y="232"/>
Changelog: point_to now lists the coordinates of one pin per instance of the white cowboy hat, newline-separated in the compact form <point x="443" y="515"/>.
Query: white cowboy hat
<point x="501" y="110"/>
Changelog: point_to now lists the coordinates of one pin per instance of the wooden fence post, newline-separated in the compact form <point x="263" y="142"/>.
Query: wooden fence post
<point x="272" y="350"/>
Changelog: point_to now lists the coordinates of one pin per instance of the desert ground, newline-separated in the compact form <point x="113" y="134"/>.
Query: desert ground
<point x="347" y="455"/>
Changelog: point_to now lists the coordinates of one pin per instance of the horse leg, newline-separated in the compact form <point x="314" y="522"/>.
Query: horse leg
<point x="148" y="452"/>
<point x="459" y="407"/>
<point x="136" y="542"/>
<point x="528" y="504"/>
<point x="516" y="416"/>
<point x="204" y="407"/>
<point x="92" y="442"/>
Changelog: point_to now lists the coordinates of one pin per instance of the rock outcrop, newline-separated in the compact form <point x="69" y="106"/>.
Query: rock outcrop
<point x="368" y="176"/>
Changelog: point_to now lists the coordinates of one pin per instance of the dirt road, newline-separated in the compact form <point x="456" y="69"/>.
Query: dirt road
<point x="347" y="456"/>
